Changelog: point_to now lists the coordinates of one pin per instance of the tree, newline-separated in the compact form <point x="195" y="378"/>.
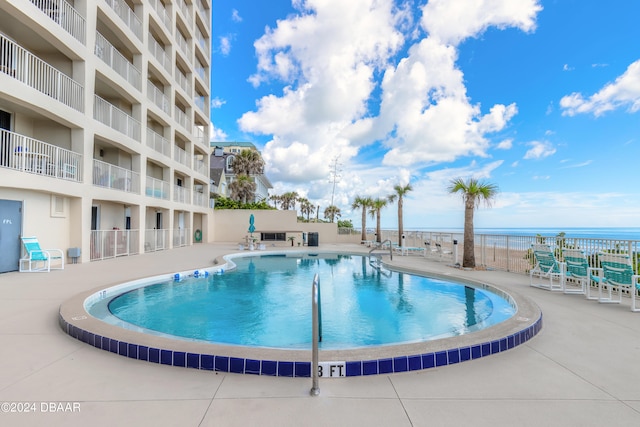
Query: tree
<point x="288" y="200"/>
<point x="362" y="203"/>
<point x="374" y="210"/>
<point x="331" y="212"/>
<point x="306" y="207"/>
<point x="247" y="162"/>
<point x="399" y="194"/>
<point x="242" y="188"/>
<point x="473" y="193"/>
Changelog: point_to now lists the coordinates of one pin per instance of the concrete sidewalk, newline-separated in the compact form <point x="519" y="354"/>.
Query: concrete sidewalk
<point x="583" y="369"/>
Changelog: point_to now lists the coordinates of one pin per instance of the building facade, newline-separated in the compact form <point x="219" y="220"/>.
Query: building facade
<point x="104" y="124"/>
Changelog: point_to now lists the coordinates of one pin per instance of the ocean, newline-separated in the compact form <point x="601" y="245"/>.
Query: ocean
<point x="613" y="233"/>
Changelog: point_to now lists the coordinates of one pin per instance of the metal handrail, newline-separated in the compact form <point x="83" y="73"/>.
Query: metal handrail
<point x="379" y="246"/>
<point x="315" y="330"/>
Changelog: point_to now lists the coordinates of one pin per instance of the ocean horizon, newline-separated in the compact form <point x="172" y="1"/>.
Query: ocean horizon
<point x="614" y="233"/>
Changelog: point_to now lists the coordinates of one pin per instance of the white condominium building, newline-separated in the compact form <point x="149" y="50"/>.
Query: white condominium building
<point x="104" y="126"/>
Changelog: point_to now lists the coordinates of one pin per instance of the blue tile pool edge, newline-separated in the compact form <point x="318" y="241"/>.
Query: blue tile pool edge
<point x="251" y="366"/>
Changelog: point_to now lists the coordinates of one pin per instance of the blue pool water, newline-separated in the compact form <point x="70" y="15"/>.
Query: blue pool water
<point x="266" y="302"/>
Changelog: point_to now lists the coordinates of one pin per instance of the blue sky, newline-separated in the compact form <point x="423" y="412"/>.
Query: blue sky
<point x="541" y="98"/>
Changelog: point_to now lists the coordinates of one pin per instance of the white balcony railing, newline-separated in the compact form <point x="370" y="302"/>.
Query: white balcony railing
<point x="157" y="188"/>
<point x="114" y="59"/>
<point x="200" y="166"/>
<point x="201" y="71"/>
<point x="115" y="118"/>
<point x="162" y="13"/>
<point x="27" y="68"/>
<point x="184" y="46"/>
<point x="64" y="15"/>
<point x="156" y="240"/>
<point x="181" y="156"/>
<point x="181" y="194"/>
<point x="158" y="142"/>
<point x="183" y="81"/>
<point x="181" y="237"/>
<point x="201" y="135"/>
<point x="115" y="177"/>
<point x="184" y="8"/>
<point x="205" y="12"/>
<point x="113" y="243"/>
<point x="158" y="97"/>
<point x="30" y="155"/>
<point x="160" y="54"/>
<point x="182" y="118"/>
<point x="199" y="199"/>
<point x="202" y="41"/>
<point x="199" y="101"/>
<point x="122" y="9"/>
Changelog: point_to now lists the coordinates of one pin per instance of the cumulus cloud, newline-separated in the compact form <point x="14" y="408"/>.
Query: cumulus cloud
<point x="235" y="16"/>
<point x="216" y="134"/>
<point x="217" y="102"/>
<point x="505" y="144"/>
<point x="623" y="92"/>
<point x="539" y="150"/>
<point x="225" y="45"/>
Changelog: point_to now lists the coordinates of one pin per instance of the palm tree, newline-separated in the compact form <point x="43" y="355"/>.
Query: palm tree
<point x="400" y="192"/>
<point x="473" y="193"/>
<point x="374" y="210"/>
<point x="306" y="207"/>
<point x="288" y="200"/>
<point x="364" y="203"/>
<point x="248" y="162"/>
<point x="242" y="188"/>
<point x="331" y="212"/>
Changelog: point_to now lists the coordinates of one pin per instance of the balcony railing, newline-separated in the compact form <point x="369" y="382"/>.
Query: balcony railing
<point x="29" y="155"/>
<point x="157" y="188"/>
<point x="127" y="15"/>
<point x="113" y="243"/>
<point x="201" y="71"/>
<point x="162" y="13"/>
<point x="114" y="59"/>
<point x="158" y="98"/>
<point x="160" y="54"/>
<point x="184" y="46"/>
<point x="181" y="237"/>
<point x="181" y="194"/>
<point x="180" y="155"/>
<point x="200" y="166"/>
<point x="64" y="15"/>
<point x="156" y="240"/>
<point x="115" y="177"/>
<point x="182" y="119"/>
<point x="199" y="101"/>
<point x="199" y="199"/>
<point x="201" y="136"/>
<point x="27" y="68"/>
<point x="158" y="142"/>
<point x="186" y="12"/>
<point x="115" y="118"/>
<point x="183" y="81"/>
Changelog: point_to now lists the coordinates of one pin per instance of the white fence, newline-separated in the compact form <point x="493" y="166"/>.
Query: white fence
<point x="113" y="243"/>
<point x="64" y="15"/>
<point x="156" y="240"/>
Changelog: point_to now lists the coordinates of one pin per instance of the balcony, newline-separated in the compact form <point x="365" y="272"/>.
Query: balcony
<point x="156" y="240"/>
<point x="25" y="154"/>
<point x="160" y="54"/>
<point x="127" y="15"/>
<point x="181" y="237"/>
<point x="200" y="166"/>
<point x="158" y="142"/>
<point x="157" y="188"/>
<point x="182" y="119"/>
<point x="202" y="72"/>
<point x="27" y="68"/>
<point x="156" y="96"/>
<point x="184" y="46"/>
<point x="115" y="177"/>
<point x="205" y="12"/>
<point x="181" y="194"/>
<point x="162" y="13"/>
<point x="115" y="118"/>
<point x="199" y="101"/>
<point x="63" y="14"/>
<point x="183" y="81"/>
<point x="181" y="156"/>
<point x="118" y="63"/>
<point x="113" y="243"/>
<point x="199" y="199"/>
<point x="186" y="12"/>
<point x="201" y="136"/>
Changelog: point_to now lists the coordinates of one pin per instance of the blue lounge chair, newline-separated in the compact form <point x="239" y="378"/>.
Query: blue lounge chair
<point x="37" y="259"/>
<point x="617" y="272"/>
<point x="577" y="269"/>
<point x="546" y="267"/>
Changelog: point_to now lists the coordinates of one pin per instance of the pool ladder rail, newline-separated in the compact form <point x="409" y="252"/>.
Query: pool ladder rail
<point x="316" y="334"/>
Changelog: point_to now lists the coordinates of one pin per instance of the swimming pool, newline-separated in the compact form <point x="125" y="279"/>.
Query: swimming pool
<point x="136" y="343"/>
<point x="265" y="302"/>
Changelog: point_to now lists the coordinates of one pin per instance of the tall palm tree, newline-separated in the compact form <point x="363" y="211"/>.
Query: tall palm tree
<point x="242" y="188"/>
<point x="363" y="203"/>
<point x="248" y="162"/>
<point x="306" y="207"/>
<point x="332" y="212"/>
<point x="288" y="200"/>
<point x="400" y="192"/>
<point x="374" y="210"/>
<point x="473" y="193"/>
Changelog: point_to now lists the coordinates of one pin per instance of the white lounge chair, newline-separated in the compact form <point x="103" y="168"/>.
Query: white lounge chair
<point x="578" y="270"/>
<point x="617" y="272"/>
<point x="37" y="259"/>
<point x="546" y="267"/>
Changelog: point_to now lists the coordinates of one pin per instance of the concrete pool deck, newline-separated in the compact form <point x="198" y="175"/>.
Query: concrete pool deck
<point x="582" y="369"/>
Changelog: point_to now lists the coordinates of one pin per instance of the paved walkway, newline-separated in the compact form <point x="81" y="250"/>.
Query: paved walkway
<point x="583" y="369"/>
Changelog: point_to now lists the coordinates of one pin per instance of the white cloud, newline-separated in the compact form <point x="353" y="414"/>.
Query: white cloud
<point x="505" y="144"/>
<point x="225" y="45"/>
<point x="567" y="68"/>
<point x="623" y="92"/>
<point x="217" y="102"/>
<point x="216" y="134"/>
<point x="452" y="21"/>
<point x="235" y="16"/>
<point x="539" y="150"/>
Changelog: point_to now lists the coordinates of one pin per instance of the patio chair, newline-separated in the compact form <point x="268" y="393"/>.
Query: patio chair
<point x="37" y="259"/>
<point x="546" y="267"/>
<point x="577" y="269"/>
<point x="617" y="272"/>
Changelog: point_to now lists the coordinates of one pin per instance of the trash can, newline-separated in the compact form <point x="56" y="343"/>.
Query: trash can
<point x="313" y="239"/>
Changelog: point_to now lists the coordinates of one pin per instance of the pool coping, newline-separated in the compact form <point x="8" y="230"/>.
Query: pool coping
<point x="523" y="326"/>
